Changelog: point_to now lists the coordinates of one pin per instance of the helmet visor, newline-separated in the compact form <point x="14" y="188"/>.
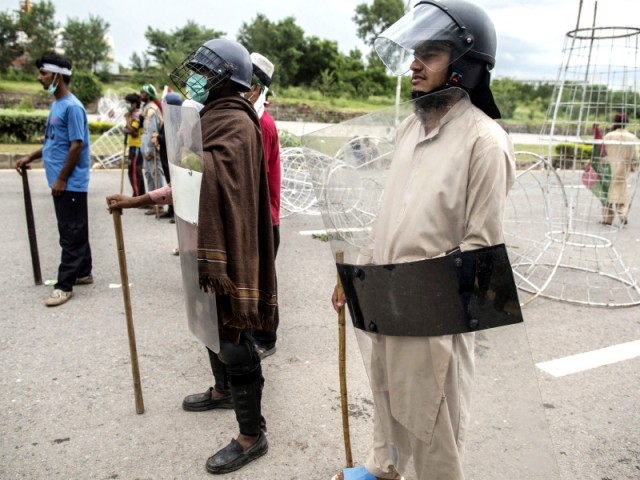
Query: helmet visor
<point x="423" y="31"/>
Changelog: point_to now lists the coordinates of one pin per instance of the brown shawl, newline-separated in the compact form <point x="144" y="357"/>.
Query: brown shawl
<point x="235" y="237"/>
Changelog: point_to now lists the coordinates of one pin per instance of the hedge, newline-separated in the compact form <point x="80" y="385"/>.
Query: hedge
<point x="28" y="127"/>
<point x="572" y="150"/>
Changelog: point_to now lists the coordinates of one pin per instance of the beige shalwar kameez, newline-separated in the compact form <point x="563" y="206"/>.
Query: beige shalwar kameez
<point x="445" y="189"/>
<point x="622" y="156"/>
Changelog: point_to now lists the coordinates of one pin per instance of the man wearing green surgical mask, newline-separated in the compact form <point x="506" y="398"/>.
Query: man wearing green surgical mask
<point x="235" y="250"/>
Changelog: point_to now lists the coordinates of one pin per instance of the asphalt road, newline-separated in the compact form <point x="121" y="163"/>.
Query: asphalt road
<point x="67" y="396"/>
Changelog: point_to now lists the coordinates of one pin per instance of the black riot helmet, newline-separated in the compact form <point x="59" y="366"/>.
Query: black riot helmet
<point x="460" y="24"/>
<point x="206" y="69"/>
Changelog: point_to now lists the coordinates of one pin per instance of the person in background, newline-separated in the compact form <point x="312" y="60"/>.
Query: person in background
<point x="622" y="156"/>
<point x="133" y="130"/>
<point x="152" y="120"/>
<point x="263" y="69"/>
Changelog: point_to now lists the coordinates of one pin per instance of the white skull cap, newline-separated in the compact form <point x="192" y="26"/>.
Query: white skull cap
<point x="261" y="63"/>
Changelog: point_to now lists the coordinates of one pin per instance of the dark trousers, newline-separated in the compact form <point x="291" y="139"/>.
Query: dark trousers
<point x="73" y="228"/>
<point x="165" y="168"/>
<point x="236" y="368"/>
<point x="263" y="338"/>
<point x="136" y="176"/>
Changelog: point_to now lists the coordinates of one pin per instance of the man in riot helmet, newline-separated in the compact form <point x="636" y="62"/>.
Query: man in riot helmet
<point x="452" y="168"/>
<point x="235" y="254"/>
<point x="234" y="263"/>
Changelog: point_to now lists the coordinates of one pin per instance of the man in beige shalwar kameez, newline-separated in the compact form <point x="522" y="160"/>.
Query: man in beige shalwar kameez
<point x="622" y="156"/>
<point x="452" y="168"/>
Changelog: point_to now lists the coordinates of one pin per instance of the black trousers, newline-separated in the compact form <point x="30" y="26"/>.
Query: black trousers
<point x="263" y="338"/>
<point x="73" y="229"/>
<point x="136" y="175"/>
<point x="236" y="368"/>
<point x="165" y="168"/>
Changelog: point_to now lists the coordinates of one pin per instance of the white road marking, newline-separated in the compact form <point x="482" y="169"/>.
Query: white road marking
<point x="333" y="230"/>
<point x="313" y="232"/>
<point x="588" y="360"/>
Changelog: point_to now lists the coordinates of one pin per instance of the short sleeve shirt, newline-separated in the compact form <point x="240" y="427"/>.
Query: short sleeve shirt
<point x="67" y="122"/>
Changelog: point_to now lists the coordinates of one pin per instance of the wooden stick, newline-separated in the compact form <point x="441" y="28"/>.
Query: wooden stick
<point x="342" y="370"/>
<point x="124" y="157"/>
<point x="31" y="228"/>
<point x="126" y="294"/>
<point x="155" y="171"/>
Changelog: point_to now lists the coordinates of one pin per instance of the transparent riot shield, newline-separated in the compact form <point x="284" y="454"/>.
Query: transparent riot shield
<point x="184" y="150"/>
<point x="453" y="330"/>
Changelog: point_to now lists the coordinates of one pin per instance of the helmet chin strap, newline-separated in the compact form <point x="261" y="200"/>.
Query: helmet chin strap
<point x="453" y="81"/>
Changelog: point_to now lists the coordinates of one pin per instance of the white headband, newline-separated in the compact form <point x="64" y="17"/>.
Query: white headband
<point x="50" y="67"/>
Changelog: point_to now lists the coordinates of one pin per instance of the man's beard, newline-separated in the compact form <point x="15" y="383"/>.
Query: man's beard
<point x="428" y="105"/>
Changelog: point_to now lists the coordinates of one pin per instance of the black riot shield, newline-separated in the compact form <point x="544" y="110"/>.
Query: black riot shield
<point x="426" y="319"/>
<point x="419" y="298"/>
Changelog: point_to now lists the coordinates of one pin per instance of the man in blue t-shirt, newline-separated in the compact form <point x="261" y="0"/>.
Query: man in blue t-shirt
<point x="65" y="156"/>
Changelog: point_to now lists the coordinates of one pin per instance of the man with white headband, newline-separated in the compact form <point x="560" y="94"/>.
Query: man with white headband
<point x="65" y="156"/>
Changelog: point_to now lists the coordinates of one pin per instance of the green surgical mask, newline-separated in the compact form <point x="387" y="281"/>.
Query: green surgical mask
<point x="129" y="107"/>
<point x="196" y="85"/>
<point x="52" y="88"/>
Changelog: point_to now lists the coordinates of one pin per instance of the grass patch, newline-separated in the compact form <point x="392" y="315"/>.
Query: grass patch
<point x="539" y="148"/>
<point x="30" y="88"/>
<point x="19" y="148"/>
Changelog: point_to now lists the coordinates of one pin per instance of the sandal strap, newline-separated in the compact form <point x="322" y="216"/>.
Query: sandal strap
<point x="358" y="473"/>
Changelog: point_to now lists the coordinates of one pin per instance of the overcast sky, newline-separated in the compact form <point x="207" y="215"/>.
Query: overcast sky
<point x="531" y="33"/>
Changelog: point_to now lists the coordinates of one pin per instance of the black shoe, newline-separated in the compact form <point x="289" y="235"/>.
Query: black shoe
<point x="201" y="402"/>
<point x="264" y="352"/>
<point x="166" y="214"/>
<point x="173" y="220"/>
<point x="232" y="457"/>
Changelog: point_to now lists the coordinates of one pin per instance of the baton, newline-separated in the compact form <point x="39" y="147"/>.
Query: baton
<point x="124" y="155"/>
<point x="155" y="171"/>
<point x="342" y="370"/>
<point x="31" y="228"/>
<point x="126" y="294"/>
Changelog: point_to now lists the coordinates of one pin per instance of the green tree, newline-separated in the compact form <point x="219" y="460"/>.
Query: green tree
<point x="167" y="50"/>
<point x="321" y="58"/>
<point x="165" y="47"/>
<point x="140" y="63"/>
<point x="40" y="27"/>
<point x="507" y="94"/>
<point x="86" y="86"/>
<point x="375" y="18"/>
<point x="283" y="43"/>
<point x="9" y="48"/>
<point x="84" y="43"/>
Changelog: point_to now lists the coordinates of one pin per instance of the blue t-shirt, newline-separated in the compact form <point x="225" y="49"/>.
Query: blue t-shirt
<point x="67" y="122"/>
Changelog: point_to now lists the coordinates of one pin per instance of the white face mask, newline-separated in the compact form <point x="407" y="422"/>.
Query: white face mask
<point x="258" y="105"/>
